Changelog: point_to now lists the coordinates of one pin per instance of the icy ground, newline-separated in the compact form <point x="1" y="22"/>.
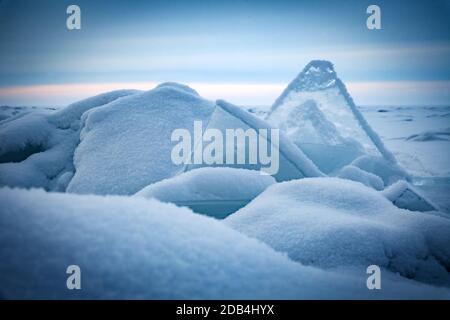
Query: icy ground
<point x="419" y="137"/>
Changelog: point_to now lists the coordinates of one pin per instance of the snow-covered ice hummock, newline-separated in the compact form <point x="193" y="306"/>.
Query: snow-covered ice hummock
<point x="334" y="223"/>
<point x="292" y="163"/>
<point x="36" y="148"/>
<point x="318" y="114"/>
<point x="216" y="191"/>
<point x="126" y="145"/>
<point x="121" y="142"/>
<point x="135" y="248"/>
<point x="132" y="138"/>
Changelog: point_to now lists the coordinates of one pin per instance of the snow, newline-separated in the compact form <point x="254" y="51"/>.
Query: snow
<point x="356" y="174"/>
<point x="215" y="192"/>
<point x="431" y="135"/>
<point x="36" y="148"/>
<point x="67" y="117"/>
<point x="126" y="145"/>
<point x="318" y="114"/>
<point x="296" y="234"/>
<point x="134" y="248"/>
<point x="9" y="113"/>
<point x="333" y="223"/>
<point x="126" y="132"/>
<point x="405" y="196"/>
<point x="293" y="163"/>
<point x="389" y="172"/>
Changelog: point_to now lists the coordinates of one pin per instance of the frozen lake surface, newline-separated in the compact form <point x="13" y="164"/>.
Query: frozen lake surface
<point x="419" y="137"/>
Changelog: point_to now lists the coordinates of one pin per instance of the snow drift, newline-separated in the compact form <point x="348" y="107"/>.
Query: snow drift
<point x="133" y="248"/>
<point x="126" y="145"/>
<point x="36" y="149"/>
<point x="330" y="223"/>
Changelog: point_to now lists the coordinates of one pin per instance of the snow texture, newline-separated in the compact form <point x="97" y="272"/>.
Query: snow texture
<point x="216" y="192"/>
<point x="126" y="145"/>
<point x="332" y="223"/>
<point x="36" y="149"/>
<point x="134" y="248"/>
<point x="318" y="114"/>
<point x="356" y="174"/>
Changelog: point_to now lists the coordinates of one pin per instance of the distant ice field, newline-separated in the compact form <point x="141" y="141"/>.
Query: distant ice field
<point x="419" y="137"/>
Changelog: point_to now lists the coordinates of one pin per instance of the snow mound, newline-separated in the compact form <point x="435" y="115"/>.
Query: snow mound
<point x="134" y="248"/>
<point x="331" y="223"/>
<point x="67" y="116"/>
<point x="356" y="174"/>
<point x="318" y="115"/>
<point x="293" y="164"/>
<point x="36" y="148"/>
<point x="131" y="138"/>
<point x="178" y="86"/>
<point x="405" y="196"/>
<point x="215" y="192"/>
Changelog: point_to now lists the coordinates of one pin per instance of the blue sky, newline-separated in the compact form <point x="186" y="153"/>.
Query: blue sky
<point x="243" y="51"/>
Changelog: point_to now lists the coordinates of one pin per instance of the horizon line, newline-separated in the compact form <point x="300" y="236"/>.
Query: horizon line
<point x="433" y="92"/>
